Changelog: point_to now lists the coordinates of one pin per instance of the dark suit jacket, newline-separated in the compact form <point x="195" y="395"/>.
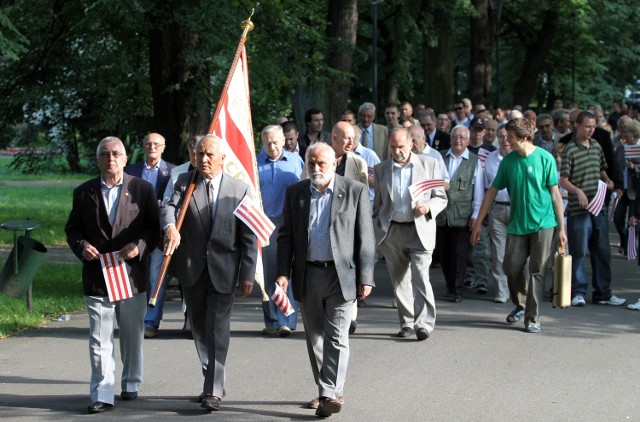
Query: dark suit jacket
<point x="136" y="221"/>
<point x="352" y="239"/>
<point x="441" y="141"/>
<point x="164" y="174"/>
<point x="226" y="247"/>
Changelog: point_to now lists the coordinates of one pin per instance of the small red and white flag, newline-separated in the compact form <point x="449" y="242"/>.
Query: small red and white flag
<point x="252" y="215"/>
<point x="420" y="188"/>
<point x="370" y="171"/>
<point x="115" y="276"/>
<point x="631" y="151"/>
<point x="281" y="300"/>
<point x="595" y="206"/>
<point x="632" y="253"/>
<point x="483" y="154"/>
<point x="612" y="206"/>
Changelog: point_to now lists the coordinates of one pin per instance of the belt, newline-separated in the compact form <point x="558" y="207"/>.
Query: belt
<point x="403" y="222"/>
<point x="321" y="264"/>
<point x="506" y="204"/>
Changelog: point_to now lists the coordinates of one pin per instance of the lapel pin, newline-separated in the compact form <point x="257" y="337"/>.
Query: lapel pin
<point x="340" y="196"/>
<point x="126" y="194"/>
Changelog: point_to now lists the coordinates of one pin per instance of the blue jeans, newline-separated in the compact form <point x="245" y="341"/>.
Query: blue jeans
<point x="586" y="232"/>
<point x="154" y="315"/>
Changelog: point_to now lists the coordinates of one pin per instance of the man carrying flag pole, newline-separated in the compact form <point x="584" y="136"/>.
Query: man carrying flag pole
<point x="209" y="201"/>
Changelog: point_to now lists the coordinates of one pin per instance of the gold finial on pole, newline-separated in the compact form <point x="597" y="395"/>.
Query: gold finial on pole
<point x="247" y="25"/>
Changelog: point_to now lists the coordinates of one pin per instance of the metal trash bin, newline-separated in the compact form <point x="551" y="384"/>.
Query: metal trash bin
<point x="14" y="281"/>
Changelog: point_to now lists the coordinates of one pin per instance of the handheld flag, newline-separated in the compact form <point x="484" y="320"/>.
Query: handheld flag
<point x="115" y="277"/>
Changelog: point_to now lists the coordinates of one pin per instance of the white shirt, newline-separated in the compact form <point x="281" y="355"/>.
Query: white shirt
<point x="444" y="173"/>
<point x="401" y="199"/>
<point x="490" y="171"/>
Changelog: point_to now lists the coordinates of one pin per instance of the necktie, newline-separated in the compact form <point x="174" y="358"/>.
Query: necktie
<point x="210" y="197"/>
<point x="210" y="192"/>
<point x="365" y="138"/>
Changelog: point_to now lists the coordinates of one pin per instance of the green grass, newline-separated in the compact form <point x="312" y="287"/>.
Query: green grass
<point x="44" y="198"/>
<point x="57" y="290"/>
<point x="7" y="173"/>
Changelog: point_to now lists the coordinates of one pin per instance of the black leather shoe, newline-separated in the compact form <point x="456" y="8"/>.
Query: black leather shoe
<point x="456" y="299"/>
<point x="211" y="403"/>
<point x="99" y="407"/>
<point x="201" y="396"/>
<point x="129" y="395"/>
<point x="328" y="406"/>
<point x="405" y="332"/>
<point x="422" y="334"/>
<point x="353" y="327"/>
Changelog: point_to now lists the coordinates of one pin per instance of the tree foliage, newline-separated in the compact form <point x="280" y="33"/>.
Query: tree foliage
<point x="74" y="71"/>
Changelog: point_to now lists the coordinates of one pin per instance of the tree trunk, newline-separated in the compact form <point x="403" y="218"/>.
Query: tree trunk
<point x="341" y="32"/>
<point x="481" y="54"/>
<point x="536" y="55"/>
<point x="180" y="88"/>
<point x="438" y="62"/>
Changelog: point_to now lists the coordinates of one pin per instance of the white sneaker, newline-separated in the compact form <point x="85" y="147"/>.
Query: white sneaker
<point x="578" y="300"/>
<point x="613" y="301"/>
<point x="634" y="306"/>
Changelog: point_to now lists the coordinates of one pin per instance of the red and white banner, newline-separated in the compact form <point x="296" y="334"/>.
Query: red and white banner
<point x="234" y="126"/>
<point x="420" y="188"/>
<point x="631" y="151"/>
<point x="255" y="218"/>
<point x="281" y="300"/>
<point x="632" y="253"/>
<point x="595" y="206"/>
<point x="115" y="276"/>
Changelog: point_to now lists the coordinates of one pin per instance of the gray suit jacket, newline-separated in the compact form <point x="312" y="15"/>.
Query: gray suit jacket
<point x="226" y="247"/>
<point x="424" y="168"/>
<point x="351" y="234"/>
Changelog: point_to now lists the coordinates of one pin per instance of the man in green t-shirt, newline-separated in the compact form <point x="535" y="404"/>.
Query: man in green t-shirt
<point x="529" y="174"/>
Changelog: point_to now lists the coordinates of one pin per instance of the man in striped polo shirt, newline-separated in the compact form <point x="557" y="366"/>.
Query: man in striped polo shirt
<point x="583" y="166"/>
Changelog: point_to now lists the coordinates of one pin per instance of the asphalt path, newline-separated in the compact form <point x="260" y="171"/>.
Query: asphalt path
<point x="583" y="366"/>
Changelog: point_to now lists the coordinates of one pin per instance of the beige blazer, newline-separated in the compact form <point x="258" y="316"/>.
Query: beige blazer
<point x="424" y="168"/>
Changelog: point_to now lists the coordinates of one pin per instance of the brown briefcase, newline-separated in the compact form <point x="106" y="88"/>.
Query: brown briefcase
<point x="561" y="278"/>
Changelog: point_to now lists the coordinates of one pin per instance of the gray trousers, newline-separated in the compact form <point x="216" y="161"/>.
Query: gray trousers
<point x="408" y="264"/>
<point x="103" y="315"/>
<point x="327" y="317"/>
<point x="210" y="317"/>
<point x="528" y="293"/>
<point x="498" y="221"/>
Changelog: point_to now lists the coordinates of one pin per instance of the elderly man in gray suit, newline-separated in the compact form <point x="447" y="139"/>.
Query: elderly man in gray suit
<point x="326" y="244"/>
<point x="219" y="251"/>
<point x="405" y="229"/>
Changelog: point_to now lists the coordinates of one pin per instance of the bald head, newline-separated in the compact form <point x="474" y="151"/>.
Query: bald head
<point x="342" y="137"/>
<point x="418" y="138"/>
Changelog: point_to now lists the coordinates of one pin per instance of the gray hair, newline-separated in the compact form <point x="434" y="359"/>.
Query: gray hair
<point x="277" y="129"/>
<point x="109" y="139"/>
<point x="325" y="149"/>
<point x="462" y="128"/>
<point x="367" y="106"/>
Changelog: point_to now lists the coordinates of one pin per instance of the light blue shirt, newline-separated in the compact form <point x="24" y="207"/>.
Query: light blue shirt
<point x="402" y="210"/>
<point x="111" y="196"/>
<point x="372" y="159"/>
<point x="275" y="176"/>
<point x="150" y="174"/>
<point x="319" y="224"/>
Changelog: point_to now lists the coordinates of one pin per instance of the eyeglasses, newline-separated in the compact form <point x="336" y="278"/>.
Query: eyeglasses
<point x="459" y="108"/>
<point x="153" y="144"/>
<point x="459" y="137"/>
<point x="107" y="154"/>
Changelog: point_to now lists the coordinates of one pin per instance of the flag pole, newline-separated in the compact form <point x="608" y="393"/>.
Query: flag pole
<point x="247" y="26"/>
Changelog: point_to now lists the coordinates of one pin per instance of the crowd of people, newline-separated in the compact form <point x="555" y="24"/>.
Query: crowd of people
<point x="485" y="196"/>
